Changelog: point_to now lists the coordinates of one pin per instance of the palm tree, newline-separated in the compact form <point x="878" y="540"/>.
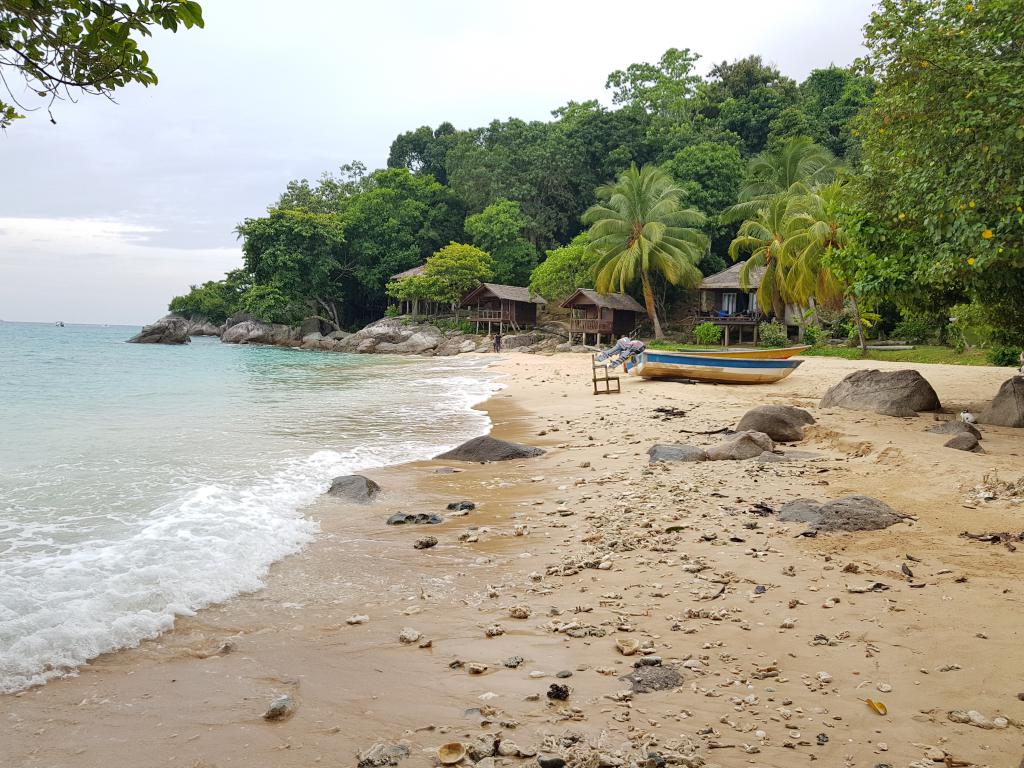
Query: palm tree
<point x="639" y="228"/>
<point x="765" y="237"/>
<point x="795" y="167"/>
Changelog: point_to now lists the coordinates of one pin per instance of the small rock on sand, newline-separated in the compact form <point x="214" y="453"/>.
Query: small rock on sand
<point x="354" y="488"/>
<point x="408" y="636"/>
<point x="954" y="427"/>
<point x="676" y="452"/>
<point x="280" y="708"/>
<point x="487" y="448"/>
<point x="519" y="611"/>
<point x="646" y="678"/>
<point x="357" y="619"/>
<point x="425" y="542"/>
<point x="782" y="423"/>
<point x="382" y="754"/>
<point x="965" y="441"/>
<point x="850" y="513"/>
<point x="742" y="445"/>
<point x="461" y="505"/>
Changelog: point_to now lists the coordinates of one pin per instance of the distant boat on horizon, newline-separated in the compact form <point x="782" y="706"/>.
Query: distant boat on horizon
<point x="59" y="323"/>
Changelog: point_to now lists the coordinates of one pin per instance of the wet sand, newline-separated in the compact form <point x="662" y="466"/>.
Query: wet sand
<point x="770" y="677"/>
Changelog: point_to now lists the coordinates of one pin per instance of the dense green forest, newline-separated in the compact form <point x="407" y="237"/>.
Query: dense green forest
<point x="889" y="192"/>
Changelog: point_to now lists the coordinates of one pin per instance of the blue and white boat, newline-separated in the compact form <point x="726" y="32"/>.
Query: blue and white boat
<point x="653" y="364"/>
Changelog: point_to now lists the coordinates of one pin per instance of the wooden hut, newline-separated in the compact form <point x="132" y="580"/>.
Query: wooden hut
<point x="602" y="314"/>
<point x="724" y="302"/>
<point x="418" y="306"/>
<point x="504" y="306"/>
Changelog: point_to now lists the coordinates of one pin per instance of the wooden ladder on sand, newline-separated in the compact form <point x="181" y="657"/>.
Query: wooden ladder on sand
<point x="603" y="379"/>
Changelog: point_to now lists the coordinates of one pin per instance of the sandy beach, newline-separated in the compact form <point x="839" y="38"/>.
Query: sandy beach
<point x="777" y="639"/>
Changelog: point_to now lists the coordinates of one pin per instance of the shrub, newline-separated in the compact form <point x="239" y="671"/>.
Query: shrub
<point x="915" y="330"/>
<point x="392" y="311"/>
<point x="813" y="335"/>
<point x="1002" y="355"/>
<point x="708" y="334"/>
<point x="773" y="334"/>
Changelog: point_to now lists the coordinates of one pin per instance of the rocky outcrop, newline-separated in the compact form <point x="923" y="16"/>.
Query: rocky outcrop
<point x="1007" y="408"/>
<point x="742" y="445"/>
<point x="487" y="448"/>
<point x="850" y="513"/>
<point x="393" y="335"/>
<point x="782" y="423"/>
<point x="676" y="452"/>
<point x="257" y="332"/>
<point x="891" y="393"/>
<point x="354" y="488"/>
<point x="171" y="329"/>
<point x="203" y="328"/>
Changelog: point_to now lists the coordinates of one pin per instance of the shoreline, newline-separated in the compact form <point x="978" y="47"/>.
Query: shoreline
<point x="196" y="703"/>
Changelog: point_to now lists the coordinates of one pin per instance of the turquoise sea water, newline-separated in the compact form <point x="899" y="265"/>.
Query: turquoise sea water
<point x="139" y="482"/>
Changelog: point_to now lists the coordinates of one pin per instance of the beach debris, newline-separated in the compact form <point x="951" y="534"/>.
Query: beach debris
<point x="520" y="611"/>
<point x="782" y="423"/>
<point x="627" y="646"/>
<point x="425" y="542"/>
<point x="978" y="720"/>
<point x="876" y="706"/>
<point x="354" y="488"/>
<point x="520" y="529"/>
<point x="653" y="677"/>
<point x="512" y="662"/>
<point x="906" y="571"/>
<point x="486" y="448"/>
<point x="1006" y="539"/>
<point x="964" y="442"/>
<point x="461" y="505"/>
<point x="850" y="513"/>
<point x="358" y="618"/>
<point x="382" y="754"/>
<point x="451" y="753"/>
<point x="280" y="708"/>
<point x="890" y="393"/>
<point x="1007" y="407"/>
<point x="476" y="668"/>
<point x="494" y="630"/>
<point x="550" y="761"/>
<point x="743" y="445"/>
<point x="422" y="518"/>
<point x="558" y="692"/>
<point x="408" y="636"/>
<point x="675" y="452"/>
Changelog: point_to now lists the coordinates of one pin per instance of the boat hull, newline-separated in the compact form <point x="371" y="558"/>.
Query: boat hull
<point x="718" y="370"/>
<point x="749" y="354"/>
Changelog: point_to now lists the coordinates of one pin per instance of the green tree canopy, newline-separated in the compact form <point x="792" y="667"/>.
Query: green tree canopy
<point x="213" y="300"/>
<point x="447" y="276"/>
<point x="565" y="270"/>
<point x="498" y="231"/>
<point x="63" y="48"/>
<point x="639" y="229"/>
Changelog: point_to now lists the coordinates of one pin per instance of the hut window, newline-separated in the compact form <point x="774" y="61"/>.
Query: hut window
<point x="729" y="303"/>
<point x="753" y="302"/>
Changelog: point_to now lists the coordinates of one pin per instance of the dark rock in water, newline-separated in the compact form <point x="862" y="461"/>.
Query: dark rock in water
<point x="676" y="452"/>
<point x="954" y="427"/>
<point x="280" y="708"/>
<point x="550" y="761"/>
<point x="425" y="543"/>
<point x="891" y="393"/>
<point x="487" y="448"/>
<point x="850" y="513"/>
<point x="742" y="445"/>
<point x="558" y="692"/>
<point x="964" y="442"/>
<point x="167" y="330"/>
<point x="356" y="488"/>
<point x="461" y="505"/>
<point x="653" y="678"/>
<point x="1007" y="408"/>
<point x="782" y="423"/>
<point x="404" y="518"/>
<point x="381" y="754"/>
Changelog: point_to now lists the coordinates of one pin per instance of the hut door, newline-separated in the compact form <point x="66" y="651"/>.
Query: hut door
<point x="729" y="303"/>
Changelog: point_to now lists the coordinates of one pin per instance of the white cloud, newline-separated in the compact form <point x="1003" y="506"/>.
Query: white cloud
<point x="96" y="270"/>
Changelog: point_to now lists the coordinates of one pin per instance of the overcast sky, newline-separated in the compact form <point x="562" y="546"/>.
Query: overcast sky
<point x="118" y="207"/>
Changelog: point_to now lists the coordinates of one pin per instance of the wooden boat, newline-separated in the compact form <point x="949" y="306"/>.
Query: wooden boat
<point x="749" y="354"/>
<point x="720" y="370"/>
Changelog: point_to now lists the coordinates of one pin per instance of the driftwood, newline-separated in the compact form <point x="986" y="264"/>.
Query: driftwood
<point x="705" y="432"/>
<point x="1003" y="538"/>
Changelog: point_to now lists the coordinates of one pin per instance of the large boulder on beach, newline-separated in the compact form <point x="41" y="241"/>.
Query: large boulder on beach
<point x="891" y="393"/>
<point x="487" y="448"/>
<point x="676" y="452"/>
<point x="395" y="336"/>
<point x="1007" y="408"/>
<point x="742" y="445"/>
<point x="257" y="332"/>
<point x="167" y="330"/>
<point x="354" y="488"/>
<point x="954" y="427"/>
<point x="850" y="513"/>
<point x="782" y="423"/>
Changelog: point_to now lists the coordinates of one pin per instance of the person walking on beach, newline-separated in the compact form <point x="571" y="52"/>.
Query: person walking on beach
<point x="497" y="342"/>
